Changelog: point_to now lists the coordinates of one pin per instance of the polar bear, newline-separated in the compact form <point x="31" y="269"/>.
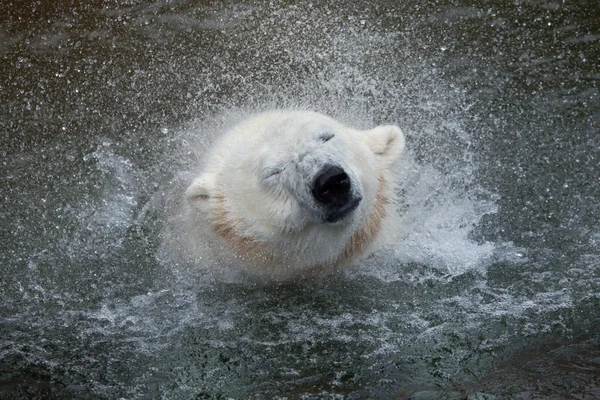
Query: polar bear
<point x="288" y="193"/>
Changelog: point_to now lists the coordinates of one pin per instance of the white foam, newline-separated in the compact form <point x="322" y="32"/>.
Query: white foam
<point x="438" y="221"/>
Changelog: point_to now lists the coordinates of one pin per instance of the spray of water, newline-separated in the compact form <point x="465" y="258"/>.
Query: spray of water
<point x="86" y="267"/>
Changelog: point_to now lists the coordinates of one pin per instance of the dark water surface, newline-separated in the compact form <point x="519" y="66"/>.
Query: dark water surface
<point x="492" y="290"/>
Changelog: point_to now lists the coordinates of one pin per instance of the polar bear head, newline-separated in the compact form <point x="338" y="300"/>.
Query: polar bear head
<point x="291" y="191"/>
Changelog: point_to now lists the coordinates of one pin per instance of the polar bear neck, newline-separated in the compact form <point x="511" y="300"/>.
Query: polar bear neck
<point x="262" y="257"/>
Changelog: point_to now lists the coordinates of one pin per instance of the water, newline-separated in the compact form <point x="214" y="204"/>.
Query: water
<point x="493" y="287"/>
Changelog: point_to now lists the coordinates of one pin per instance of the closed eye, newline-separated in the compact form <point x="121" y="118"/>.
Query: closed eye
<point x="271" y="172"/>
<point x="326" y="136"/>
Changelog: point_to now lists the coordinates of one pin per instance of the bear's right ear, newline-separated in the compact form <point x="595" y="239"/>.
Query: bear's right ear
<point x="387" y="142"/>
<point x="198" y="193"/>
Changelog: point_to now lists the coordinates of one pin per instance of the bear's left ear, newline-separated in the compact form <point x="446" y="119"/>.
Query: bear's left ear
<point x="198" y="193"/>
<point x="387" y="142"/>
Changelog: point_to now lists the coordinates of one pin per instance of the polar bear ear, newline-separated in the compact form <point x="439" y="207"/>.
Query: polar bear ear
<point x="198" y="193"/>
<point x="387" y="142"/>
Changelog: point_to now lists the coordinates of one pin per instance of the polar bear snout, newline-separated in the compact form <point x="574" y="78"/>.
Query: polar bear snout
<point x="332" y="188"/>
<point x="332" y="185"/>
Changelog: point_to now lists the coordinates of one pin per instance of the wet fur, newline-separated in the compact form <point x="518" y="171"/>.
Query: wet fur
<point x="258" y="254"/>
<point x="212" y="231"/>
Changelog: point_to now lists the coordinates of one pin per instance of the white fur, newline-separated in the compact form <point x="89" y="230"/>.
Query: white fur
<point x="260" y="174"/>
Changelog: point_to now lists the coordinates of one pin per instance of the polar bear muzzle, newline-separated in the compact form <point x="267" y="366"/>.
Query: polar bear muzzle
<point x="332" y="188"/>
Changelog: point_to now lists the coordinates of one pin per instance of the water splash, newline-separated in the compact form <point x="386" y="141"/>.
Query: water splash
<point x="88" y="310"/>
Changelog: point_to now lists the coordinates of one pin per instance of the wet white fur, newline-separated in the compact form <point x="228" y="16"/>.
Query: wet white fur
<point x="261" y="172"/>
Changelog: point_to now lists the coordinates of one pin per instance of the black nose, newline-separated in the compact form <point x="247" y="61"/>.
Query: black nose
<point x="332" y="185"/>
